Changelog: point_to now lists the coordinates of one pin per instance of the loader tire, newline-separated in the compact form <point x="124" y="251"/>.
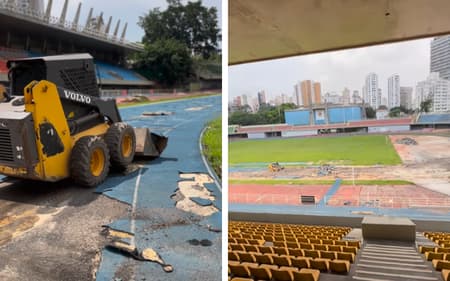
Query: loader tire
<point x="89" y="161"/>
<point x="121" y="142"/>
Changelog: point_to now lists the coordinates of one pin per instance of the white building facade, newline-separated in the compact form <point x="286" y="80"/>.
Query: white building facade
<point x="437" y="90"/>
<point x="393" y="91"/>
<point x="371" y="91"/>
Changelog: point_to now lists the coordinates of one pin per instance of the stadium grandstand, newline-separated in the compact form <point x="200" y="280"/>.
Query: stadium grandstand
<point x="29" y="30"/>
<point x="329" y="214"/>
<point x="338" y="119"/>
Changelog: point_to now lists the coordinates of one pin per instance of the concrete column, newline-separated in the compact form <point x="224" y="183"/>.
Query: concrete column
<point x="77" y="17"/>
<point x="116" y="30"/>
<point x="88" y="20"/>
<point x="124" y="31"/>
<point x="108" y="26"/>
<point x="99" y="22"/>
<point x="48" y="10"/>
<point x="62" y="19"/>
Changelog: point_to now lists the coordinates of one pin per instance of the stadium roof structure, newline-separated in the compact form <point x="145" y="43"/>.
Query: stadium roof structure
<point x="34" y="23"/>
<point x="265" y="29"/>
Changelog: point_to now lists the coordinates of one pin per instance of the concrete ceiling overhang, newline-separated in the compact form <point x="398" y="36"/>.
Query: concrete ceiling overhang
<point x="268" y="29"/>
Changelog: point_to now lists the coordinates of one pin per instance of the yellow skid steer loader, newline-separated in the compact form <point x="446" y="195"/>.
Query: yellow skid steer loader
<point x="54" y="125"/>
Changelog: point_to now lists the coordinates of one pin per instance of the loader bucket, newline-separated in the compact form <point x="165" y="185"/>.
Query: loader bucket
<point x="148" y="143"/>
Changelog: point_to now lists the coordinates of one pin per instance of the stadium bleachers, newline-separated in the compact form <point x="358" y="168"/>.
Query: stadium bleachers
<point x="433" y="118"/>
<point x="266" y="251"/>
<point x="111" y="72"/>
<point x="439" y="255"/>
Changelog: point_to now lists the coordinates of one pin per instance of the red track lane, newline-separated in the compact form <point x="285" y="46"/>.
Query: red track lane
<point x="399" y="196"/>
<point x="274" y="194"/>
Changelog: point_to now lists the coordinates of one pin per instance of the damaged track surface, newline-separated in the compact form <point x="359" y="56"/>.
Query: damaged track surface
<point x="52" y="231"/>
<point x="182" y="236"/>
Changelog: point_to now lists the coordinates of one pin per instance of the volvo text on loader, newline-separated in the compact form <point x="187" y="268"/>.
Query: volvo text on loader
<point x="54" y="125"/>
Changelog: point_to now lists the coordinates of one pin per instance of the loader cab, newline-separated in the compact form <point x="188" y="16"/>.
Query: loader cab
<point x="75" y="72"/>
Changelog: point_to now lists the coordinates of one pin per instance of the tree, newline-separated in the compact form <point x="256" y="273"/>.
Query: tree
<point x="370" y="112"/>
<point x="167" y="61"/>
<point x="425" y="106"/>
<point x="192" y="24"/>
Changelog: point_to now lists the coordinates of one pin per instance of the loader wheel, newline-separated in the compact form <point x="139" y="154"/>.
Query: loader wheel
<point x="121" y="142"/>
<point x="89" y="161"/>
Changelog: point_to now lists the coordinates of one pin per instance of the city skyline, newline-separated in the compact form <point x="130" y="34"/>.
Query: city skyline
<point x="335" y="70"/>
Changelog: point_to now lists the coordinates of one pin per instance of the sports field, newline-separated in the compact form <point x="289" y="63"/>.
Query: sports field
<point x="345" y="150"/>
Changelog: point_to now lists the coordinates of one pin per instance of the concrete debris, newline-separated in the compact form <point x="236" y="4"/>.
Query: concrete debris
<point x="157" y="113"/>
<point x="407" y="141"/>
<point x="325" y="170"/>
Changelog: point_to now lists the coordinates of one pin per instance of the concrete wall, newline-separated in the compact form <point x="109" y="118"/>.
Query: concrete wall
<point x="286" y="134"/>
<point x="399" y="128"/>
<point x="256" y="135"/>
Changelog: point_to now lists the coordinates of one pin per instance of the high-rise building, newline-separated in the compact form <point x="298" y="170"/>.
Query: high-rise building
<point x="437" y="90"/>
<point x="261" y="98"/>
<point x="237" y="101"/>
<point x="308" y="92"/>
<point x="393" y="91"/>
<point x="406" y="97"/>
<point x="373" y="94"/>
<point x="317" y="98"/>
<point x="346" y="96"/>
<point x="440" y="56"/>
<point x="244" y="99"/>
<point x="356" y="98"/>
<point x="297" y="94"/>
<point x="381" y="100"/>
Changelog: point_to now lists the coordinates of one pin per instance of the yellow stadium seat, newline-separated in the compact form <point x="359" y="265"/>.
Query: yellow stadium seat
<point x="346" y="256"/>
<point x="339" y="266"/>
<point x="306" y="274"/>
<point x="282" y="274"/>
<point x="320" y="264"/>
<point x="440" y="264"/>
<point x="328" y="255"/>
<point x="260" y="273"/>
<point x="300" y="262"/>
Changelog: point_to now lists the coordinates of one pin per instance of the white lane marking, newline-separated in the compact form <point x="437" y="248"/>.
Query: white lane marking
<point x="210" y="172"/>
<point x="393" y="268"/>
<point x="409" y="277"/>
<point x="133" y="207"/>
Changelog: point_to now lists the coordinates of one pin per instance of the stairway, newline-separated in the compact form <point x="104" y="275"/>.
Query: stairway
<point x="382" y="261"/>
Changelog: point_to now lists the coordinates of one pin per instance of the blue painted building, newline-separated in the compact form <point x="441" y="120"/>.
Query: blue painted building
<point x="324" y="115"/>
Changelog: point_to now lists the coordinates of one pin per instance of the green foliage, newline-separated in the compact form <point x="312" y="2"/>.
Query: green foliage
<point x="425" y="106"/>
<point x="167" y="61"/>
<point x="397" y="111"/>
<point x="266" y="114"/>
<point x="212" y="145"/>
<point x="314" y="182"/>
<point x="349" y="150"/>
<point x="370" y="113"/>
<point x="193" y="24"/>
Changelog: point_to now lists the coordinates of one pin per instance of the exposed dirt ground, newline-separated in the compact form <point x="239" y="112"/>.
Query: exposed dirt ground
<point x="52" y="231"/>
<point x="426" y="164"/>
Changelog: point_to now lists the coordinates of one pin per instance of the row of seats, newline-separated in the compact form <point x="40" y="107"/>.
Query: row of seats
<point x="440" y="238"/>
<point x="312" y="251"/>
<point x="282" y="274"/>
<point x="282" y="250"/>
<point x="270" y="258"/>
<point x="299" y="237"/>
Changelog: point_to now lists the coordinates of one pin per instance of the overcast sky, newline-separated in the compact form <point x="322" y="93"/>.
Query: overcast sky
<point x="335" y="70"/>
<point x="127" y="11"/>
